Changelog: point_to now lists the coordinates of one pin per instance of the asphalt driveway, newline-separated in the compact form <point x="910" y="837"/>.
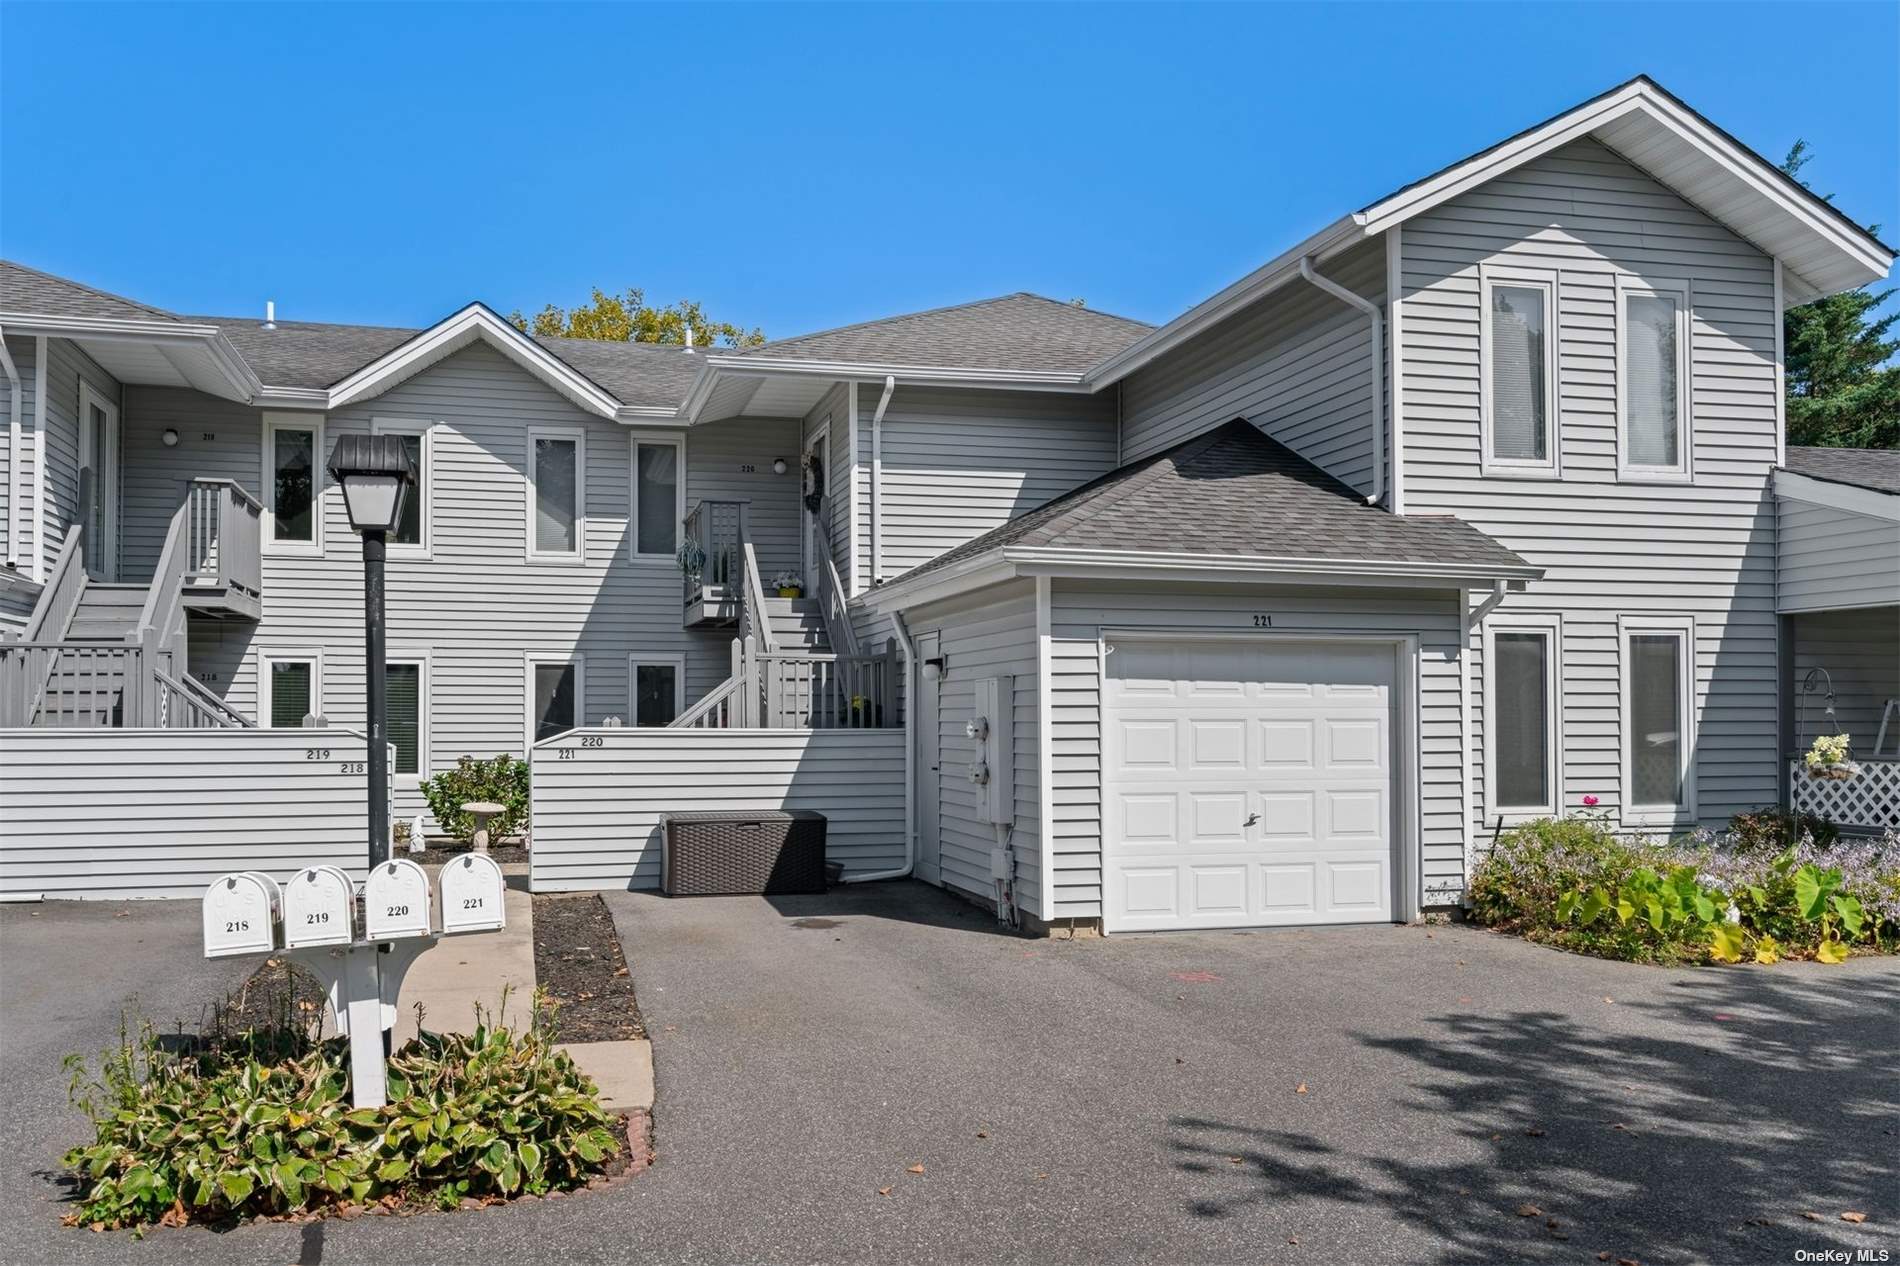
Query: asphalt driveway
<point x="1136" y="1099"/>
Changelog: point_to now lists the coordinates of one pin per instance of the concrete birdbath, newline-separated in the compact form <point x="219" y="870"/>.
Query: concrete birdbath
<point x="481" y="811"/>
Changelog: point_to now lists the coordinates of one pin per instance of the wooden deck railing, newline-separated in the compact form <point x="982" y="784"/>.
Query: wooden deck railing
<point x="776" y="690"/>
<point x="224" y="537"/>
<point x="718" y="528"/>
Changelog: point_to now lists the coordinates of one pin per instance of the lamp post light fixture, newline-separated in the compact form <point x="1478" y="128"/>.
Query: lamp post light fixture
<point x="376" y="473"/>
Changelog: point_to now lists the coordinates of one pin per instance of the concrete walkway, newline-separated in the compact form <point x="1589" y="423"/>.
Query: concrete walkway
<point x="460" y="973"/>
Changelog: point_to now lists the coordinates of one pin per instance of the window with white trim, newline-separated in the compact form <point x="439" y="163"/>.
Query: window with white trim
<point x="1523" y="763"/>
<point x="1654" y="438"/>
<point x="293" y="484"/>
<point x="556" y="687"/>
<point x="408" y="715"/>
<point x="1517" y="347"/>
<point x="411" y="536"/>
<point x="557" y="494"/>
<point x="1658" y="718"/>
<point x="656" y="688"/>
<point x="289" y="688"/>
<point x="659" y="497"/>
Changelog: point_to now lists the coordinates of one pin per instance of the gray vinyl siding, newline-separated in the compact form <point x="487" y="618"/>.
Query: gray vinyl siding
<point x="1828" y="558"/>
<point x="1860" y="651"/>
<point x="1079" y="614"/>
<point x="597" y="815"/>
<point x="17" y="598"/>
<point x="1297" y="365"/>
<point x="957" y="463"/>
<point x="477" y="606"/>
<point x="992" y="635"/>
<point x="108" y="814"/>
<point x="1610" y="547"/>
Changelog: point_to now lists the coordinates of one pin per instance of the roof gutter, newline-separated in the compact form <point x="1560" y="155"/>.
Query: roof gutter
<point x="1377" y="318"/>
<point x="13" y="453"/>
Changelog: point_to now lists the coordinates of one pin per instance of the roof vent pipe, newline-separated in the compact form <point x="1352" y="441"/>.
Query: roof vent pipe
<point x="689" y="338"/>
<point x="1371" y="310"/>
<point x="270" y="314"/>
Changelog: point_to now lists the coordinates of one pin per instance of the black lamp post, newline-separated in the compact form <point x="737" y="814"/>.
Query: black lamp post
<point x="375" y="471"/>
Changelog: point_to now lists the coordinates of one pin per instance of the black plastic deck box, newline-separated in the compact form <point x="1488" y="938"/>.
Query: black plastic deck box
<point x="723" y="853"/>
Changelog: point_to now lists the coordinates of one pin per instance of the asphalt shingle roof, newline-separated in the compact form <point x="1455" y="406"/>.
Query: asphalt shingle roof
<point x="641" y="374"/>
<point x="1234" y="491"/>
<point x="28" y="290"/>
<point x="1020" y="332"/>
<point x="1876" y="468"/>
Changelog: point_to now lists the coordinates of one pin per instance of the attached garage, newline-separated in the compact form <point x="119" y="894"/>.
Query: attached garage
<point x="1238" y="697"/>
<point x="1252" y="783"/>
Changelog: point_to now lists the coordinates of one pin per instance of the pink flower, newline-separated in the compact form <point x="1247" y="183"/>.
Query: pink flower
<point x="1589" y="802"/>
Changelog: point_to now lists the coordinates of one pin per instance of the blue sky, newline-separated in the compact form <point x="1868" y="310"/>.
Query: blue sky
<point x="801" y="167"/>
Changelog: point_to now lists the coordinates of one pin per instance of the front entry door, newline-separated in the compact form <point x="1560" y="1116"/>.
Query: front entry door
<point x="929" y="757"/>
<point x="817" y="534"/>
<point x="99" y="482"/>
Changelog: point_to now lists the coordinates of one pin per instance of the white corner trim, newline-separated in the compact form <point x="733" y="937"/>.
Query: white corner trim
<point x="1045" y="751"/>
<point x="1781" y="371"/>
<point x="1395" y="363"/>
<point x="1822" y="492"/>
<point x="854" y="574"/>
<point x="40" y="432"/>
<point x="475" y="322"/>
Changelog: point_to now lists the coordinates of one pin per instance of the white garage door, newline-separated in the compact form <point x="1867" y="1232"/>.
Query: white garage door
<point x="1248" y="784"/>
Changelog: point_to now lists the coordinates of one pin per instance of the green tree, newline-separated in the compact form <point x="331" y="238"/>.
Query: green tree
<point x="628" y="318"/>
<point x="1842" y="392"/>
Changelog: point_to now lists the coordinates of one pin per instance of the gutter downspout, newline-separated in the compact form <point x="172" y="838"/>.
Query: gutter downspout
<point x="910" y="753"/>
<point x="1474" y="617"/>
<point x="13" y="453"/>
<point x="877" y="481"/>
<point x="1377" y="318"/>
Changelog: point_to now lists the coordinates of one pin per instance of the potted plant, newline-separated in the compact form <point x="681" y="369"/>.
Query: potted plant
<point x="789" y="584"/>
<point x="1828" y="759"/>
<point x="691" y="557"/>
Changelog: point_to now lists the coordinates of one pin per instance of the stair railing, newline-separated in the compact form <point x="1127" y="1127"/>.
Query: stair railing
<point x="54" y="611"/>
<point x="753" y="619"/>
<point x="224" y="543"/>
<point x="844" y="638"/>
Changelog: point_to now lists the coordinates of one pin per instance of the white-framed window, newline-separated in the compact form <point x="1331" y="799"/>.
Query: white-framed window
<point x="656" y="688"/>
<point x="1656" y="679"/>
<point x="557" y="494"/>
<point x="1655" y="440"/>
<point x="289" y="686"/>
<point x="408" y="714"/>
<point x="293" y="483"/>
<point x="1523" y="703"/>
<point x="556" y="691"/>
<point x="413" y="536"/>
<point x="658" y="480"/>
<point x="1517" y="353"/>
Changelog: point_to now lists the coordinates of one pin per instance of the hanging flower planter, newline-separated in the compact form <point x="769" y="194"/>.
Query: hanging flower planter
<point x="1827" y="760"/>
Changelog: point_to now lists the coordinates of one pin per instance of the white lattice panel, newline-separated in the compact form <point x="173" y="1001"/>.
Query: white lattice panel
<point x="1870" y="800"/>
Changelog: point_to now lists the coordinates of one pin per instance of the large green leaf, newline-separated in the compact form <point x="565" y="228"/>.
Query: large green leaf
<point x="1848" y="907"/>
<point x="236" y="1186"/>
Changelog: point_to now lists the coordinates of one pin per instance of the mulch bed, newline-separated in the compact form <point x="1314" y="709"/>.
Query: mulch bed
<point x="440" y="853"/>
<point x="578" y="963"/>
<point x="278" y="995"/>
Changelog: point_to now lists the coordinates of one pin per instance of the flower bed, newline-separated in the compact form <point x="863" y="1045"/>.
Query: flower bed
<point x="261" y="1125"/>
<point x="1708" y="897"/>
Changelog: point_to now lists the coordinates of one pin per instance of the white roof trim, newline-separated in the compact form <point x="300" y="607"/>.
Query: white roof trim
<point x="1394" y="209"/>
<point x="231" y="366"/>
<point x="1871" y="502"/>
<point x="717" y="368"/>
<point x="475" y="322"/>
<point x="1011" y="561"/>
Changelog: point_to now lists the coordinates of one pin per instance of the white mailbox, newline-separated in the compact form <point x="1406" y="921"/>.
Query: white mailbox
<point x="396" y="901"/>
<point x="319" y="908"/>
<point x="471" y="895"/>
<point x="240" y="914"/>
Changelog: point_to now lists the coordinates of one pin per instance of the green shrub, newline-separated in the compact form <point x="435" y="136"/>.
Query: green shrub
<point x="1574" y="883"/>
<point x="264" y="1125"/>
<point x="502" y="781"/>
<point x="1771" y="830"/>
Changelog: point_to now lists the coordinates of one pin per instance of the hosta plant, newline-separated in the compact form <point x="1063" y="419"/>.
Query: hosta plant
<point x="263" y="1126"/>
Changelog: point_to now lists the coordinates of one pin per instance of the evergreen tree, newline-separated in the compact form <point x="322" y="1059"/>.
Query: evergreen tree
<point x="1842" y="392"/>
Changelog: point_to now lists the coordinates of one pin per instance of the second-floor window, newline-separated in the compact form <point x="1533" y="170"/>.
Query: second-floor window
<point x="657" y="508"/>
<point x="1519" y="392"/>
<point x="293" y="466"/>
<point x="1653" y="381"/>
<point x="557" y="496"/>
<point x="412" y="533"/>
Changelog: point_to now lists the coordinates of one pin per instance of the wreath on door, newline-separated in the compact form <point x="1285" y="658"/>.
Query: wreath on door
<point x="814" y="482"/>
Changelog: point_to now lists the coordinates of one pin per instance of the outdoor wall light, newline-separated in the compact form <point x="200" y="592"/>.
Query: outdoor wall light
<point x="933" y="668"/>
<point x="170" y="437"/>
<point x="778" y="466"/>
<point x="375" y="472"/>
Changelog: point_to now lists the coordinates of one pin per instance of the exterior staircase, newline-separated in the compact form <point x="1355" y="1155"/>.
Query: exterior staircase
<point x="798" y="626"/>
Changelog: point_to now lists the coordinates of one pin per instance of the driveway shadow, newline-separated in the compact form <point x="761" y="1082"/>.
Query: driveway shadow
<point x="1703" y="1127"/>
